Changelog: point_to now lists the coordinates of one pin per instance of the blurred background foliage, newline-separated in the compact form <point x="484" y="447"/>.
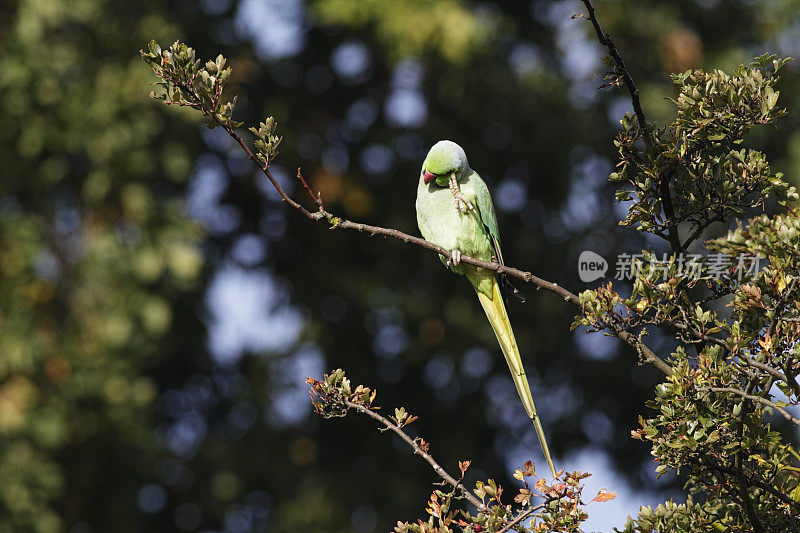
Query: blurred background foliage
<point x="160" y="310"/>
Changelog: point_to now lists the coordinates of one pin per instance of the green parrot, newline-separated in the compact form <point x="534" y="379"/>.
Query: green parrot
<point x="455" y="211"/>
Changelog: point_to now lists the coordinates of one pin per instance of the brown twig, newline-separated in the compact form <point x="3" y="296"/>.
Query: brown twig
<point x="622" y="71"/>
<point x="316" y="197"/>
<point x="759" y="399"/>
<point x="766" y="368"/>
<point x="520" y="517"/>
<point x="450" y="480"/>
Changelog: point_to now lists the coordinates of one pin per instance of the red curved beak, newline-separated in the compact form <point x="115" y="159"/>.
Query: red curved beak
<point x="428" y="177"/>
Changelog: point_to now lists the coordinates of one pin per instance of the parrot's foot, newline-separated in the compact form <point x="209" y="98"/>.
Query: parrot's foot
<point x="461" y="202"/>
<point x="455" y="257"/>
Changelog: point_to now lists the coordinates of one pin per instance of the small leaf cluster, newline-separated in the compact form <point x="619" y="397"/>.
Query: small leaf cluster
<point x="266" y="142"/>
<point x="187" y="81"/>
<point x="330" y="396"/>
<point x="657" y="296"/>
<point x="695" y="171"/>
<point x="776" y="238"/>
<point x="671" y="516"/>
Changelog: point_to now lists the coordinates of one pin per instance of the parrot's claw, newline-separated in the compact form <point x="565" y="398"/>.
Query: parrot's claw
<point x="455" y="257"/>
<point x="460" y="201"/>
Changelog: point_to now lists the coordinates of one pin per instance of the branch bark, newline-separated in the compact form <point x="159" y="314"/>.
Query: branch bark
<point x="520" y="517"/>
<point x="622" y="71"/>
<point x="450" y="480"/>
<point x="754" y="398"/>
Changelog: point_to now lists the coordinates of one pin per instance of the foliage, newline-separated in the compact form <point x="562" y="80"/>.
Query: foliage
<point x="712" y="411"/>
<point x="97" y="256"/>
<point x="549" y="506"/>
<point x="709" y="178"/>
<point x="410" y="29"/>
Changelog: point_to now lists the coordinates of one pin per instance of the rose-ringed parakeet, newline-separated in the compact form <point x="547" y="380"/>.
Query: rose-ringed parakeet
<point x="455" y="211"/>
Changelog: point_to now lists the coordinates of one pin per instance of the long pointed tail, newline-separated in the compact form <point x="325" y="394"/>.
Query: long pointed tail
<point x="496" y="313"/>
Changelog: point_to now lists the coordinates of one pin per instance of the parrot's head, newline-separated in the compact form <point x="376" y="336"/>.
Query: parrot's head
<point x="444" y="158"/>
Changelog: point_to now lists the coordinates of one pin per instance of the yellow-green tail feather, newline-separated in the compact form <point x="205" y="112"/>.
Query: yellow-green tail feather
<point x="496" y="313"/>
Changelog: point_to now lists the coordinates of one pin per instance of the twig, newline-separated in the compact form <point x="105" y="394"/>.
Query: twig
<point x="622" y="70"/>
<point x="316" y="197"/>
<point x="700" y="229"/>
<point x="648" y="355"/>
<point x="766" y="368"/>
<point x="520" y="517"/>
<point x="693" y="332"/>
<point x="450" y="480"/>
<point x="759" y="399"/>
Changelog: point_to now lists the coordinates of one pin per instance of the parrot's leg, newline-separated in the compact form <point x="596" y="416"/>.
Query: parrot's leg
<point x="455" y="257"/>
<point x="461" y="202"/>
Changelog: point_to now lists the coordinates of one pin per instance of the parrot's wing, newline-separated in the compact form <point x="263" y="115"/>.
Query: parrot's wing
<point x="483" y="201"/>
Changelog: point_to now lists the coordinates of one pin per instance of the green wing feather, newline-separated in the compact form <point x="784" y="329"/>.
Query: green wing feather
<point x="483" y="201"/>
<point x="485" y="206"/>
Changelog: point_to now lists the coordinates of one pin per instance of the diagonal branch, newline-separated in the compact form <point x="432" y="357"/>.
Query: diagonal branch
<point x="520" y="517"/>
<point x="758" y="399"/>
<point x="450" y="480"/>
<point x="621" y="70"/>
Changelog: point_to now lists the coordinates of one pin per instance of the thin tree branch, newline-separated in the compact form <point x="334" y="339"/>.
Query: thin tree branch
<point x="450" y="480"/>
<point x="520" y="517"/>
<point x="759" y="399"/>
<point x="622" y="71"/>
<point x="648" y="355"/>
<point x="700" y="229"/>
<point x="766" y="368"/>
<point x="693" y="332"/>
